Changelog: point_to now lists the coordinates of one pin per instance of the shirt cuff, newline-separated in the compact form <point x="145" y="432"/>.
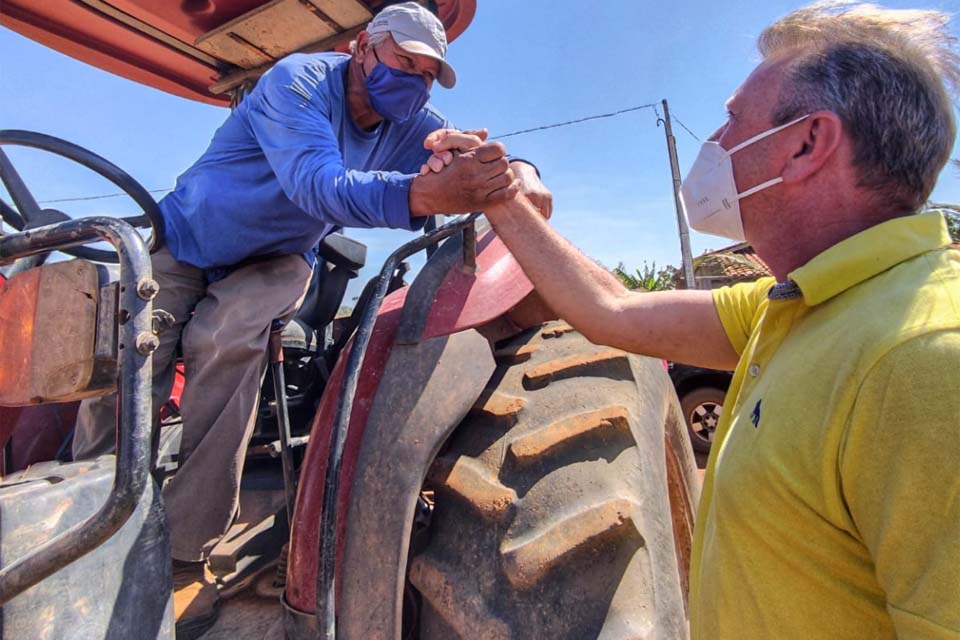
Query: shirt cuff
<point x="524" y="161"/>
<point x="396" y="204"/>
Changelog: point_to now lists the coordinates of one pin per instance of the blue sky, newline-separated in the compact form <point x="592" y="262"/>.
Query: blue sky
<point x="521" y="64"/>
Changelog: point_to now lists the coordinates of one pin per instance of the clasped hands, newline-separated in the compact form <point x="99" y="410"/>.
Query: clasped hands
<point x="466" y="173"/>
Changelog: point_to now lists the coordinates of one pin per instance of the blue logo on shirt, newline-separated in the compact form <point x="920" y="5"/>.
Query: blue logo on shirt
<point x="755" y="416"/>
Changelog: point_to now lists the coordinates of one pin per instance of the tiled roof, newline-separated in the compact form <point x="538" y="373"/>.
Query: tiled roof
<point x="735" y="268"/>
<point x="737" y="262"/>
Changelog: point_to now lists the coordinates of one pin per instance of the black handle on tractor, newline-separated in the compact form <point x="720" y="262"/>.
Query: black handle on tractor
<point x="133" y="448"/>
<point x="326" y="554"/>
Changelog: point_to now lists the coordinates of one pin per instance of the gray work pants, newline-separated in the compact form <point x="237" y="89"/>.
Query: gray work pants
<point x="225" y="328"/>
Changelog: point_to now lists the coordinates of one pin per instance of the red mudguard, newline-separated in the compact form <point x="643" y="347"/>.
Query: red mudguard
<point x="463" y="300"/>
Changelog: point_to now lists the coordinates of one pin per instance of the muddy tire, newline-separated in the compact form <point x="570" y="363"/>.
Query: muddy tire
<point x="557" y="501"/>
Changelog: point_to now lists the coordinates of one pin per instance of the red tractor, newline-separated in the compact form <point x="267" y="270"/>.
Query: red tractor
<point x="462" y="465"/>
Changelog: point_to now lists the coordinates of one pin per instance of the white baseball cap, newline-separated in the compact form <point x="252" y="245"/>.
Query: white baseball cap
<point x="418" y="31"/>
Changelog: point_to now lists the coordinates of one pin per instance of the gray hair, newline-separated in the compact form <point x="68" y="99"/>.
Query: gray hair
<point x="890" y="75"/>
<point x="373" y="38"/>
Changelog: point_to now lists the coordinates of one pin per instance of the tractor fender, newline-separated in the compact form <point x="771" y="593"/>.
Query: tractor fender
<point x="423" y="361"/>
<point x="432" y="386"/>
<point x="448" y="296"/>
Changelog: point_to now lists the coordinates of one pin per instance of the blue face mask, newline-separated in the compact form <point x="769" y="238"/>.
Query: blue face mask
<point x="396" y="95"/>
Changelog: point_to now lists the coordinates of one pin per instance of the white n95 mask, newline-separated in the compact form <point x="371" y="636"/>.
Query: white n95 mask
<point x="709" y="194"/>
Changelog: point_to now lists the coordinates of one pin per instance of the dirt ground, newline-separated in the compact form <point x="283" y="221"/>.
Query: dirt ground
<point x="247" y="616"/>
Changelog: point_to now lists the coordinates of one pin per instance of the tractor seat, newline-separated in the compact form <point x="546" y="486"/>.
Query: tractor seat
<point x="340" y="260"/>
<point x="301" y="337"/>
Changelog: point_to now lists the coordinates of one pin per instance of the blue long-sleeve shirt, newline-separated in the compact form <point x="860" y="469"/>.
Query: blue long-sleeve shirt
<point x="289" y="165"/>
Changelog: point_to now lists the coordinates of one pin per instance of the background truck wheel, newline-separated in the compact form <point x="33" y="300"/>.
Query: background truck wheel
<point x="701" y="410"/>
<point x="557" y="500"/>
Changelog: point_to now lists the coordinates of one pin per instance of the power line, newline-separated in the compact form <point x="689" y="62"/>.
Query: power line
<point x="577" y="121"/>
<point x="545" y="127"/>
<point x="674" y="118"/>
<point x="99" y="197"/>
<point x="679" y="122"/>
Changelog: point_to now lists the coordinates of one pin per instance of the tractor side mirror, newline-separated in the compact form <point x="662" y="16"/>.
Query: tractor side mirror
<point x="58" y="331"/>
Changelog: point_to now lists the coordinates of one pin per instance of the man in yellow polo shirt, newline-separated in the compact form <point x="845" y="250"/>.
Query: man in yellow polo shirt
<point x="831" y="503"/>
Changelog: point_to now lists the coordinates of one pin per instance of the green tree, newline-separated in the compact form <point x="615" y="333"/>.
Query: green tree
<point x="953" y="223"/>
<point x="952" y="214"/>
<point x="647" y="278"/>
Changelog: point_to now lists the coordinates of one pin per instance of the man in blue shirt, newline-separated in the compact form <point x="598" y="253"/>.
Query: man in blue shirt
<point x="323" y="141"/>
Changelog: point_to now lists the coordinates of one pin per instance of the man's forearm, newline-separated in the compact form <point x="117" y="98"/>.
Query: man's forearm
<point x="577" y="288"/>
<point x="675" y="325"/>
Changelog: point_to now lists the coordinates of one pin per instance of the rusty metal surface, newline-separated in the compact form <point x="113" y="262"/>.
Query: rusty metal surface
<point x="133" y="459"/>
<point x="425" y="392"/>
<point x="48" y="321"/>
<point x="154" y="42"/>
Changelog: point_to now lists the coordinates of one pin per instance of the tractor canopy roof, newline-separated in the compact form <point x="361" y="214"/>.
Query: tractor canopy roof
<point x="201" y="49"/>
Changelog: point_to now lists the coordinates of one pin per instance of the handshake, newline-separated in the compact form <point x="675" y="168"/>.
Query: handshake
<point x="466" y="174"/>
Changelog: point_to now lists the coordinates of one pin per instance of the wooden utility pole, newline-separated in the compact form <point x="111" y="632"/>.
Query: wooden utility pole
<point x="685" y="254"/>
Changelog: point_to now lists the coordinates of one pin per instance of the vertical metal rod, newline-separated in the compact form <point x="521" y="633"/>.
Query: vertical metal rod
<point x="28" y="207"/>
<point x="10" y="215"/>
<point x="283" y="422"/>
<point x="470" y="248"/>
<point x="685" y="254"/>
<point x="429" y="226"/>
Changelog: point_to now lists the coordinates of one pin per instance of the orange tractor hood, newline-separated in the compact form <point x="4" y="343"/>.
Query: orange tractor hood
<point x="201" y="49"/>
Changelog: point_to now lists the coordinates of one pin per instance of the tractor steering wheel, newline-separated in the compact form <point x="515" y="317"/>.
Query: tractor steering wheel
<point x="29" y="214"/>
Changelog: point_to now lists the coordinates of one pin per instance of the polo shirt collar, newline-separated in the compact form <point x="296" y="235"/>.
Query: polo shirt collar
<point x="868" y="253"/>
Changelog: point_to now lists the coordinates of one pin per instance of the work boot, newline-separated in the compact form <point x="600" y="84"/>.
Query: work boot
<point x="195" y="599"/>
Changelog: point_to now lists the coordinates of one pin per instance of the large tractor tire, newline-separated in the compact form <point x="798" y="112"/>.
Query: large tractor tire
<point x="563" y="502"/>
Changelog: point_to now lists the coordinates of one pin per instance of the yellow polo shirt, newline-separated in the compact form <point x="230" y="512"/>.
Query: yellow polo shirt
<point x="831" y="501"/>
